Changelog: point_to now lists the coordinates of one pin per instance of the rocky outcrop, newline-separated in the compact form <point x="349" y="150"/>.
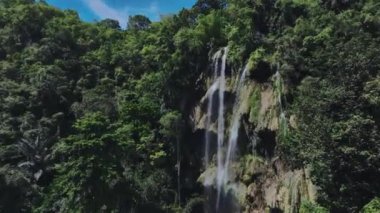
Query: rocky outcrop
<point x="278" y="188"/>
<point x="266" y="186"/>
<point x="267" y="117"/>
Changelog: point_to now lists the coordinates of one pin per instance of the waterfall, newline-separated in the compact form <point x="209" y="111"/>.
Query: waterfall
<point x="225" y="153"/>
<point x="222" y="88"/>
<point x="278" y="84"/>
<point x="210" y="94"/>
<point x="222" y="177"/>
<point x="234" y="128"/>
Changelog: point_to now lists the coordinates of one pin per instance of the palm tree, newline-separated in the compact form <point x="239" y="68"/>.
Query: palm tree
<point x="36" y="152"/>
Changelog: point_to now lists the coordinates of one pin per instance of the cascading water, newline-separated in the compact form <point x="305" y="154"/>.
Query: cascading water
<point x="218" y="84"/>
<point x="221" y="172"/>
<point x="210" y="94"/>
<point x="222" y="88"/>
<point x="224" y="156"/>
<point x="234" y="129"/>
<point x="278" y="90"/>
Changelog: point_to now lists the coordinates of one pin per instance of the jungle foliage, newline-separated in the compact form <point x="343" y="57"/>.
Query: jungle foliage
<point x="91" y="114"/>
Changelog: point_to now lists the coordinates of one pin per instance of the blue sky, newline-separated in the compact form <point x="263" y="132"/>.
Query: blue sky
<point x="91" y="10"/>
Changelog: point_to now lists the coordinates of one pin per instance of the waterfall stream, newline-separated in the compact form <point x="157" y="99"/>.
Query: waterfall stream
<point x="222" y="88"/>
<point x="225" y="153"/>
<point x="210" y="94"/>
<point x="279" y="90"/>
<point x="234" y="128"/>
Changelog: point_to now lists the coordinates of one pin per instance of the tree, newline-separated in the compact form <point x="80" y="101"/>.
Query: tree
<point x="110" y="23"/>
<point x="138" y="22"/>
<point x="90" y="174"/>
<point x="372" y="207"/>
<point x="9" y="3"/>
<point x="205" y="6"/>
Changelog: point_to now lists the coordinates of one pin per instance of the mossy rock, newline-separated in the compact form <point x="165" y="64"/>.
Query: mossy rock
<point x="255" y="104"/>
<point x="250" y="167"/>
<point x="259" y="68"/>
<point x="208" y="177"/>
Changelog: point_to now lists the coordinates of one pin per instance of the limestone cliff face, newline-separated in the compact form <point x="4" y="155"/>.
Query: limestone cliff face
<point x="263" y="182"/>
<point x="279" y="188"/>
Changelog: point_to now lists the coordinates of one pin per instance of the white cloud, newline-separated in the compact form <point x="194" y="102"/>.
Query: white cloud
<point x="104" y="11"/>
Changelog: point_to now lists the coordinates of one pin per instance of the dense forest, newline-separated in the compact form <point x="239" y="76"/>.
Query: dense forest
<point x="95" y="118"/>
